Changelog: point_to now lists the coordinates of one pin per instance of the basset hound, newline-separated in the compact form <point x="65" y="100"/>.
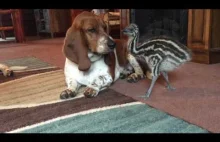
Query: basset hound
<point x="93" y="58"/>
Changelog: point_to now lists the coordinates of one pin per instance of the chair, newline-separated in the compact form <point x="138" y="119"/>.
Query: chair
<point x="112" y="19"/>
<point x="17" y="24"/>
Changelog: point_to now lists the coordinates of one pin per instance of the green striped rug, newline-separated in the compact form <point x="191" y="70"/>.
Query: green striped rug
<point x="132" y="117"/>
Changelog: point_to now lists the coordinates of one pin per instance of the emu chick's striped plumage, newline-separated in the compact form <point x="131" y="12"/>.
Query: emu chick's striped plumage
<point x="162" y="54"/>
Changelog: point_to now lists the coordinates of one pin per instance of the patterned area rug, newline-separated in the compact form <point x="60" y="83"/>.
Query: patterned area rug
<point x="110" y="112"/>
<point x="126" y="118"/>
<point x="34" y="66"/>
<point x="30" y="104"/>
<point x="32" y="90"/>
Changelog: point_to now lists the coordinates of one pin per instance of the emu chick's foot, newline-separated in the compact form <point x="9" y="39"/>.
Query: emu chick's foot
<point x="170" y="88"/>
<point x="144" y="97"/>
<point x="147" y="95"/>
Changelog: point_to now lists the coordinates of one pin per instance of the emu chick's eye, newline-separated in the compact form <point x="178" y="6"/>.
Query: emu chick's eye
<point x="92" y="30"/>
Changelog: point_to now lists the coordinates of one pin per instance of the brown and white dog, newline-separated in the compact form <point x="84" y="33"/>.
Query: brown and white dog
<point x="93" y="58"/>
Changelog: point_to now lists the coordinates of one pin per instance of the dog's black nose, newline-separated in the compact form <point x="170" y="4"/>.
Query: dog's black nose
<point x="111" y="44"/>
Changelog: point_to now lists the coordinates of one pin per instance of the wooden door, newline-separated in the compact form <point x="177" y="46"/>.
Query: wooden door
<point x="199" y="26"/>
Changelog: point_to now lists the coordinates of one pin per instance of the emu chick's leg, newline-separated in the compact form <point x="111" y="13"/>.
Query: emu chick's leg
<point x="147" y="95"/>
<point x="138" y="72"/>
<point x="169" y="87"/>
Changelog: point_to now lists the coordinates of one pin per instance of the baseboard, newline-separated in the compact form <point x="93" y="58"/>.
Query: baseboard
<point x="211" y="56"/>
<point x="214" y="56"/>
<point x="200" y="56"/>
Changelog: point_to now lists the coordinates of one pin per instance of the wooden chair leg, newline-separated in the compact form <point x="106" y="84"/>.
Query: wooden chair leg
<point x="2" y="33"/>
<point x="18" y="26"/>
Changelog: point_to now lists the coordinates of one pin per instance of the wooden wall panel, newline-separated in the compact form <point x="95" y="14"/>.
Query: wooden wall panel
<point x="60" y="20"/>
<point x="215" y="30"/>
<point x="199" y="22"/>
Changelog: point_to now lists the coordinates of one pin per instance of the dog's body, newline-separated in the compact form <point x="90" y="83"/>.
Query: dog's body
<point x="98" y="77"/>
<point x="93" y="58"/>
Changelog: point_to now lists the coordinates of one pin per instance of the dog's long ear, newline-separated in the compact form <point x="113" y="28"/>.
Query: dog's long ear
<point x="110" y="61"/>
<point x="122" y="52"/>
<point x="75" y="49"/>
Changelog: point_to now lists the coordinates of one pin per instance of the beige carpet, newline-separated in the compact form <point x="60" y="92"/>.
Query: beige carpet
<point x="34" y="89"/>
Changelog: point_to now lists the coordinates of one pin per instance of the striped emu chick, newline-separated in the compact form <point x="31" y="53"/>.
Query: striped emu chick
<point x="161" y="54"/>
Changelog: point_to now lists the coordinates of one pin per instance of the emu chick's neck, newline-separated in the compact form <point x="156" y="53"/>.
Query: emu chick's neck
<point x="133" y="44"/>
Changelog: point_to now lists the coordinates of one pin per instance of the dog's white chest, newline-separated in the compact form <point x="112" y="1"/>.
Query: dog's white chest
<point x="97" y="68"/>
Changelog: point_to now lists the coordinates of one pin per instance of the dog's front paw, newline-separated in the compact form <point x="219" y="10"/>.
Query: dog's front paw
<point x="89" y="92"/>
<point x="134" y="77"/>
<point x="66" y="94"/>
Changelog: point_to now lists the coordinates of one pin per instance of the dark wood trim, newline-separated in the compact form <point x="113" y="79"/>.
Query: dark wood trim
<point x="211" y="56"/>
<point x="200" y="56"/>
<point x="125" y="21"/>
<point x="199" y="22"/>
<point x="200" y="39"/>
<point x="214" y="49"/>
<point x="75" y="12"/>
<point x="214" y="57"/>
<point x="18" y="26"/>
<point x="7" y="11"/>
<point x="6" y="28"/>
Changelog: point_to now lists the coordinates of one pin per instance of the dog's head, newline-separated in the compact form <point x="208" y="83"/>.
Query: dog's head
<point x="87" y="33"/>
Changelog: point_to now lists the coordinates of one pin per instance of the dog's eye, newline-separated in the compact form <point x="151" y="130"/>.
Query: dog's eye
<point x="92" y="30"/>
